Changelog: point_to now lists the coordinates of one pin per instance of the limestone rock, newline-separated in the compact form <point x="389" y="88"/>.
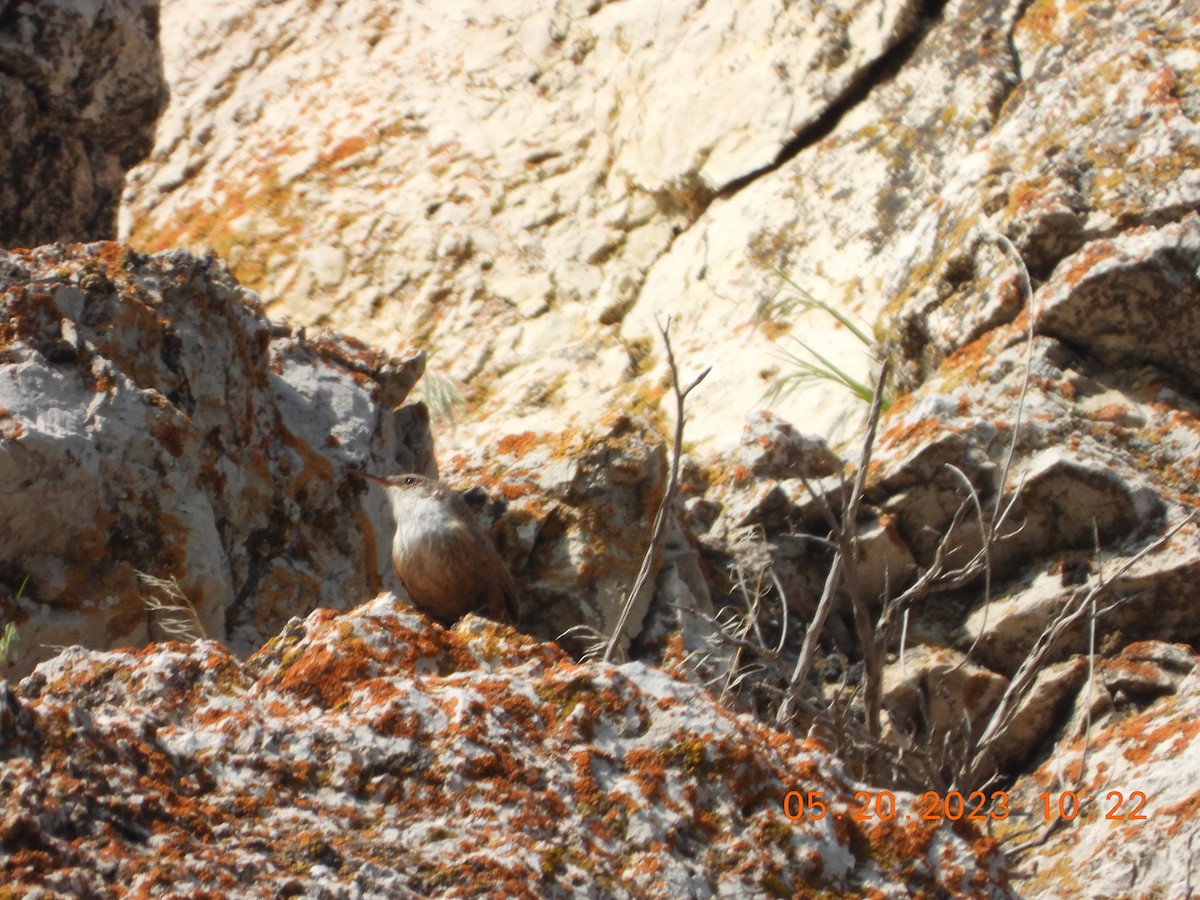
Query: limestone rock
<point x="934" y="695"/>
<point x="337" y="760"/>
<point x="772" y="448"/>
<point x="1142" y="765"/>
<point x="150" y="425"/>
<point x="757" y="516"/>
<point x="1081" y="441"/>
<point x="1114" y="297"/>
<point x="760" y="483"/>
<point x="1008" y="626"/>
<point x="156" y="424"/>
<point x="524" y="194"/>
<point x="1148" y="669"/>
<point x="1065" y="195"/>
<point x="1065" y="502"/>
<point x="1039" y="714"/>
<point x="1150" y="600"/>
<point x="884" y="560"/>
<point x="566" y="175"/>
<point x="575" y="518"/>
<point x="81" y="87"/>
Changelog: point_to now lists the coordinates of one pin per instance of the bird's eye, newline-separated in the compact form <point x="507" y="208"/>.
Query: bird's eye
<point x="410" y="479"/>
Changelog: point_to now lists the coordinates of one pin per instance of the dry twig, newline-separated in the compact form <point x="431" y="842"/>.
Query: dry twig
<point x="844" y="533"/>
<point x="657" y="534"/>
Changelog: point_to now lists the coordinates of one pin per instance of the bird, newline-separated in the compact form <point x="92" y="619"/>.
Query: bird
<point x="446" y="562"/>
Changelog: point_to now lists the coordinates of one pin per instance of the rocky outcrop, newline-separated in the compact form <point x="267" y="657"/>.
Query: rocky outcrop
<point x="374" y="754"/>
<point x="1065" y="408"/>
<point x="153" y="424"/>
<point x="81" y="88"/>
<point x="566" y="175"/>
<point x="576" y="512"/>
<point x="1128" y="797"/>
<point x="1098" y="203"/>
<point x="157" y="424"/>
<point x="165" y="443"/>
<point x="581" y="176"/>
<point x="1098" y="505"/>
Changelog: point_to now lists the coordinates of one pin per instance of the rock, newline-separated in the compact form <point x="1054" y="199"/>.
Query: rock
<point x="1065" y="502"/>
<point x="929" y="453"/>
<point x="150" y="426"/>
<point x="942" y="703"/>
<point x="1005" y="629"/>
<point x="1127" y="163"/>
<point x="1113" y="297"/>
<point x="884" y="561"/>
<point x="1137" y="766"/>
<point x="557" y="161"/>
<point x="337" y="759"/>
<point x="772" y="448"/>
<point x="760" y="529"/>
<point x="1039" y="714"/>
<point x="1150" y="600"/>
<point x="937" y="698"/>
<point x="578" y="509"/>
<point x="158" y="425"/>
<point x="1148" y="669"/>
<point x="542" y="194"/>
<point x="81" y="88"/>
<point x="765" y="504"/>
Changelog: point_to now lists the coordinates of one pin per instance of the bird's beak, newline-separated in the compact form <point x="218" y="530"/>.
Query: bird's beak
<point x="365" y="476"/>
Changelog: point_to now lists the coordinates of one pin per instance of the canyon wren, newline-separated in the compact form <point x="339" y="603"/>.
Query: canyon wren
<point x="445" y="561"/>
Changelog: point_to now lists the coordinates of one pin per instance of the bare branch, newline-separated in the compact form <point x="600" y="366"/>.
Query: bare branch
<point x="657" y="533"/>
<point x="808" y="649"/>
<point x="1038" y="657"/>
<point x="1006" y="246"/>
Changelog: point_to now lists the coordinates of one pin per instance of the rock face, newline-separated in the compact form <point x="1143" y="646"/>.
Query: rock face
<point x="576" y="511"/>
<point x="151" y="425"/>
<point x="1080" y="439"/>
<point x="1136" y="788"/>
<point x="562" y="174"/>
<point x="1093" y="207"/>
<point x="81" y="88"/>
<point x="566" y="176"/>
<point x="373" y="754"/>
<point x="163" y="442"/>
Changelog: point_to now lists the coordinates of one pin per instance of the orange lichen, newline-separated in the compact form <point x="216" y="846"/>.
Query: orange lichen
<point x="1085" y="260"/>
<point x="1141" y="744"/>
<point x="345" y="148"/>
<point x="1041" y="18"/>
<point x="170" y="435"/>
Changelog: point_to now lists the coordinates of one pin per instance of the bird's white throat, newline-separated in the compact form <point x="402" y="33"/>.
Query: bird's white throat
<point x="420" y="517"/>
